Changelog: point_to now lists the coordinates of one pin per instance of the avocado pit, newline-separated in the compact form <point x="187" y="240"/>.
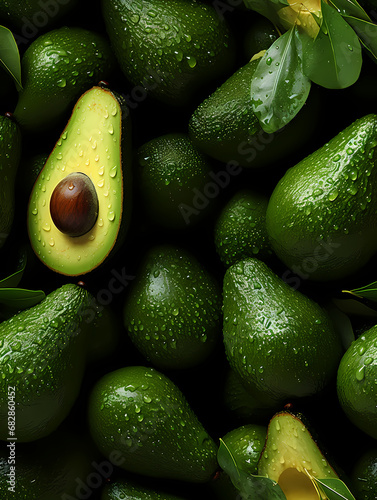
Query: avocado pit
<point x="74" y="205"/>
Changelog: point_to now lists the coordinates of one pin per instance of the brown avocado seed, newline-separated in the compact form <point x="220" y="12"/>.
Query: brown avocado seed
<point x="74" y="205"/>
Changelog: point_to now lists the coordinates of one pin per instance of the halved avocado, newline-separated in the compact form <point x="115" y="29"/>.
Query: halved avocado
<point x="80" y="203"/>
<point x="292" y="458"/>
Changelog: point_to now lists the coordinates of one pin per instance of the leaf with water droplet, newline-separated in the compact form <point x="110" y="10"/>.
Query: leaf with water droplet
<point x="10" y="56"/>
<point x="275" y="99"/>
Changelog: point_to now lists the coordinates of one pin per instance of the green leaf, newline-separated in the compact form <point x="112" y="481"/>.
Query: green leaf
<point x="14" y="279"/>
<point x="333" y="59"/>
<point x="20" y="298"/>
<point x="350" y="8"/>
<point x="334" y="489"/>
<point x="250" y="487"/>
<point x="279" y="88"/>
<point x="365" y="292"/>
<point x="10" y="55"/>
<point x="366" y="31"/>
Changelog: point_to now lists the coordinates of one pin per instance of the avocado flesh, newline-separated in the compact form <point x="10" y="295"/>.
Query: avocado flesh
<point x="90" y="144"/>
<point x="292" y="458"/>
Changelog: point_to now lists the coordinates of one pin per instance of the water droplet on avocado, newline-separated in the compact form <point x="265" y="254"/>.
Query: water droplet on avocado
<point x="333" y="195"/>
<point x="46" y="227"/>
<point x="111" y="215"/>
<point x="113" y="172"/>
<point x="62" y="83"/>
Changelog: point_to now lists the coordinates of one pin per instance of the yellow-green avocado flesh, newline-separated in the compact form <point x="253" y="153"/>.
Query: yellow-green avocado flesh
<point x="292" y="458"/>
<point x="90" y="144"/>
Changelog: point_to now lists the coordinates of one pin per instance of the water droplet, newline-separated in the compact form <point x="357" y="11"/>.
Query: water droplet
<point x="51" y="242"/>
<point x="46" y="227"/>
<point x="268" y="61"/>
<point x="113" y="172"/>
<point x="34" y="211"/>
<point x="333" y="195"/>
<point x="360" y="373"/>
<point x="62" y="83"/>
<point x="111" y="129"/>
<point x="111" y="215"/>
<point x="191" y="61"/>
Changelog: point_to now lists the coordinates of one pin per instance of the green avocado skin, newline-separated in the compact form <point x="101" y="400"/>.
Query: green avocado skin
<point x="322" y="215"/>
<point x="29" y="16"/>
<point x="356" y="385"/>
<point x="280" y="342"/>
<point x="170" y="172"/>
<point x="225" y="127"/>
<point x="42" y="359"/>
<point x="240" y="229"/>
<point x="142" y="422"/>
<point x="57" y="68"/>
<point x="122" y="489"/>
<point x="173" y="310"/>
<point x="10" y="154"/>
<point x="364" y="476"/>
<point x="170" y="47"/>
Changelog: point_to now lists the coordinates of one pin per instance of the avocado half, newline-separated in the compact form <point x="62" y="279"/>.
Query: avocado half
<point x="80" y="203"/>
<point x="292" y="458"/>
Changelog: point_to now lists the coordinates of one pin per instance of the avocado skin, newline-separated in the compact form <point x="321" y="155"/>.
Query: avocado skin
<point x="140" y="416"/>
<point x="10" y="154"/>
<point x="246" y="444"/>
<point x="225" y="127"/>
<point x="364" y="476"/>
<point x="356" y="385"/>
<point x="173" y="310"/>
<point x="123" y="489"/>
<point x="170" y="47"/>
<point x="29" y="14"/>
<point x="43" y="352"/>
<point x="322" y="214"/>
<point x="240" y="229"/>
<point x="56" y="69"/>
<point x="281" y="343"/>
<point x="170" y="172"/>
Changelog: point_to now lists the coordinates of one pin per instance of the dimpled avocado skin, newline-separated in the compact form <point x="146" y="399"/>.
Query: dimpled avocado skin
<point x="56" y="69"/>
<point x="141" y="419"/>
<point x="170" y="47"/>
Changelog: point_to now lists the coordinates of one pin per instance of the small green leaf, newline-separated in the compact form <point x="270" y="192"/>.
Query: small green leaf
<point x="366" y="31"/>
<point x="20" y="298"/>
<point x="350" y="8"/>
<point x="250" y="487"/>
<point x="10" y="55"/>
<point x="333" y="59"/>
<point x="279" y="88"/>
<point x="334" y="489"/>
<point x="365" y="292"/>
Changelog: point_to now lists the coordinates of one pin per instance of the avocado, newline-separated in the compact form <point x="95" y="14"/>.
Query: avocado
<point x="80" y="204"/>
<point x="172" y="312"/>
<point x="292" y="458"/>
<point x="169" y="48"/>
<point x="56" y="69"/>
<point x="171" y="174"/>
<point x="139" y="418"/>
<point x="30" y="16"/>
<point x="10" y="154"/>
<point x="240" y="228"/>
<point x="225" y="127"/>
<point x="279" y="341"/>
<point x="260" y="36"/>
<point x="42" y="359"/>
<point x="356" y="382"/>
<point x="364" y="475"/>
<point x="321" y="215"/>
<point x="131" y="490"/>
<point x="246" y="443"/>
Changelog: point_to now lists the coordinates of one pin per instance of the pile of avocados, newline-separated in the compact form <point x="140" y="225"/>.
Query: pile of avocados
<point x="178" y="315"/>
